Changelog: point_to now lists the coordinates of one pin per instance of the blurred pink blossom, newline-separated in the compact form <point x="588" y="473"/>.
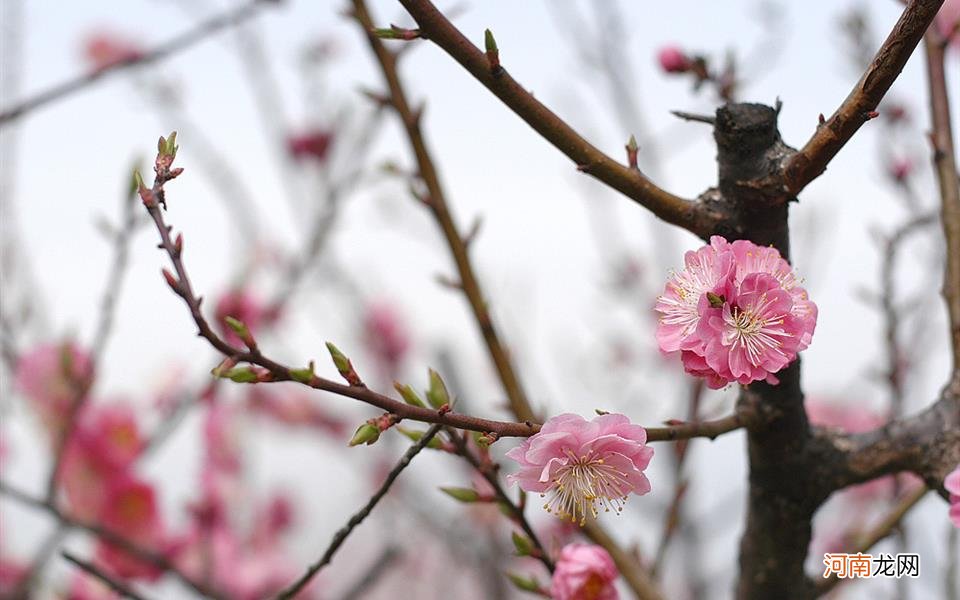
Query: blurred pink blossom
<point x="310" y="145"/>
<point x="87" y="587"/>
<point x="11" y="573"/>
<point x="103" y="446"/>
<point x="244" y="306"/>
<point x="103" y="50"/>
<point x="584" y="466"/>
<point x="900" y="169"/>
<point x="948" y="21"/>
<point x="385" y="335"/>
<point x="51" y="377"/>
<point x="294" y="408"/>
<point x="130" y="510"/>
<point x="736" y="312"/>
<point x="952" y="483"/>
<point x="584" y="572"/>
<point x="673" y="60"/>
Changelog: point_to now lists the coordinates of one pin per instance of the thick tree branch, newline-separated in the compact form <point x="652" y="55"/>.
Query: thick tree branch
<point x="176" y="44"/>
<point x="861" y="104"/>
<point x="358" y="518"/>
<point x="687" y="214"/>
<point x="944" y="162"/>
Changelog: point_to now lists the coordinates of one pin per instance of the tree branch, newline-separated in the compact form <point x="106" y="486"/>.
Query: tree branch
<point x="944" y="162"/>
<point x="861" y="104"/>
<point x="358" y="518"/>
<point x="690" y="215"/>
<point x="181" y="42"/>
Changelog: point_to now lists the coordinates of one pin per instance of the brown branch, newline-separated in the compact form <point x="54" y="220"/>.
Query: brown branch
<point x="358" y="518"/>
<point x="861" y="104"/>
<point x="488" y="472"/>
<point x="92" y="570"/>
<point x="685" y="431"/>
<point x="944" y="162"/>
<point x="174" y="45"/>
<point x="443" y="214"/>
<point x="690" y="215"/>
<point x="879" y="532"/>
<point x="153" y="558"/>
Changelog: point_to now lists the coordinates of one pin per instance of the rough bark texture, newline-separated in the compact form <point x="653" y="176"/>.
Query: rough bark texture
<point x="794" y="468"/>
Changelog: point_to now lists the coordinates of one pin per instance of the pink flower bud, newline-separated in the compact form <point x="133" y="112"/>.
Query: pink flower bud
<point x="900" y="169"/>
<point x="310" y="145"/>
<point x="584" y="572"/>
<point x="673" y="60"/>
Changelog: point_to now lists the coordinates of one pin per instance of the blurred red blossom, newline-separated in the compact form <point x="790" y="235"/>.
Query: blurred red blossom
<point x="948" y="21"/>
<point x="105" y="49"/>
<point x="385" y="335"/>
<point x="584" y="572"/>
<point x="246" y="307"/>
<point x="130" y="510"/>
<point x="294" y="408"/>
<point x="310" y="145"/>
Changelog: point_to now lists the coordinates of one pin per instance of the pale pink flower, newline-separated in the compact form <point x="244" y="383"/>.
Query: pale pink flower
<point x="131" y="511"/>
<point x="244" y="306"/>
<point x="673" y="60"/>
<point x="584" y="466"/>
<point x="313" y="145"/>
<point x="385" y="335"/>
<point x="103" y="50"/>
<point x="51" y="377"/>
<point x="736" y="312"/>
<point x="952" y="483"/>
<point x="584" y="572"/>
<point x="709" y="269"/>
<point x="900" y="169"/>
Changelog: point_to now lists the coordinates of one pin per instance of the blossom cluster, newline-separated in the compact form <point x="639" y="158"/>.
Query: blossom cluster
<point x="584" y="466"/>
<point x="735" y="313"/>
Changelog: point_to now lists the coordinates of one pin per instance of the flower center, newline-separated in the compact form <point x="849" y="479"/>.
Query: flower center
<point x="585" y="485"/>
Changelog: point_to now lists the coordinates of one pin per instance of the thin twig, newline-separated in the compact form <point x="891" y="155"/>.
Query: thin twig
<point x="944" y="162"/>
<point x="174" y="45"/>
<point x="358" y="518"/>
<point x="861" y="104"/>
<point x="378" y="567"/>
<point x="92" y="570"/>
<point x="690" y="215"/>
<point x="490" y="475"/>
<point x="883" y="529"/>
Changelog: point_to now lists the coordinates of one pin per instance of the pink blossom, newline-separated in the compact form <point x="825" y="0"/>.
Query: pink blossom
<point x="385" y="335"/>
<point x="900" y="169"/>
<point x="952" y="483"/>
<point x="131" y="511"/>
<point x="584" y="466"/>
<point x="245" y="307"/>
<point x="51" y="377"/>
<point x="313" y="144"/>
<point x="104" y="50"/>
<point x="736" y="312"/>
<point x="584" y="572"/>
<point x="709" y="269"/>
<point x="673" y="60"/>
<point x="86" y="587"/>
<point x="104" y="445"/>
<point x="948" y="21"/>
<point x="11" y="573"/>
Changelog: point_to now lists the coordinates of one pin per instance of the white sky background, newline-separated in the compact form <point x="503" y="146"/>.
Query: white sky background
<point x="539" y="262"/>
